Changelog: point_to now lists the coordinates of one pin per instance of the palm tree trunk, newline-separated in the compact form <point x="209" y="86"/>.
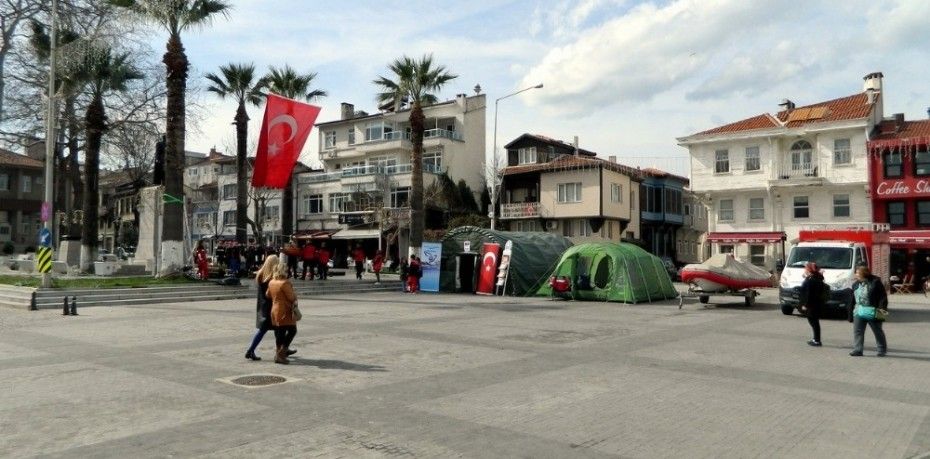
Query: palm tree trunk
<point x="172" y="248"/>
<point x="242" y="177"/>
<point x="96" y="124"/>
<point x="416" y="178"/>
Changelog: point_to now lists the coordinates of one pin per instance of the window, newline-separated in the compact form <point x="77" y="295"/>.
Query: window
<point x="272" y="213"/>
<point x="4" y="182"/>
<point x="193" y="171"/>
<point x="896" y="215"/>
<point x="802" y="156"/>
<point x="893" y="165"/>
<point x="329" y="140"/>
<point x="722" y="161"/>
<point x="842" y="153"/>
<point x="313" y="204"/>
<point x="616" y="192"/>
<point x="229" y="218"/>
<point x="526" y="155"/>
<point x="757" y="255"/>
<point x="27" y="184"/>
<point x="801" y="207"/>
<point x="725" y="210"/>
<point x="374" y="131"/>
<point x="673" y="201"/>
<point x="229" y="191"/>
<point x="756" y="209"/>
<point x="525" y="225"/>
<point x="752" y="159"/>
<point x="687" y="209"/>
<point x="400" y="197"/>
<point x="351" y="136"/>
<point x="841" y="205"/>
<point x="923" y="213"/>
<point x="726" y="248"/>
<point x="338" y="201"/>
<point x="432" y="161"/>
<point x="584" y="229"/>
<point x="569" y="192"/>
<point x="922" y="163"/>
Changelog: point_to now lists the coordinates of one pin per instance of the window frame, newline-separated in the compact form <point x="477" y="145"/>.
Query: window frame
<point x="752" y="256"/>
<point x="337" y="202"/>
<point x="311" y="198"/>
<point x="616" y="193"/>
<point x="845" y="152"/>
<point x="227" y="213"/>
<point x="757" y="157"/>
<point x="396" y="193"/>
<point x="926" y="163"/>
<point x="903" y="213"/>
<point x="917" y="210"/>
<point x="432" y="161"/>
<point x="350" y="135"/>
<point x="329" y="140"/>
<point x="5" y="183"/>
<point x="795" y="206"/>
<point x="562" y="196"/>
<point x="900" y="164"/>
<point x="527" y="155"/>
<point x="235" y="190"/>
<point x="26" y="183"/>
<point x="761" y="208"/>
<point x="721" y="157"/>
<point x="720" y="210"/>
<point x="840" y="205"/>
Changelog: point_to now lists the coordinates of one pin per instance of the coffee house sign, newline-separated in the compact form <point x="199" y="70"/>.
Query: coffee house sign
<point x="906" y="188"/>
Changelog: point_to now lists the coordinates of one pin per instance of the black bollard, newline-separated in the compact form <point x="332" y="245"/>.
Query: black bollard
<point x="32" y="302"/>
<point x="73" y="306"/>
<point x="64" y="307"/>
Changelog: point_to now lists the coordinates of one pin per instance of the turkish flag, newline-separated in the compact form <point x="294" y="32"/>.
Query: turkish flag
<point x="488" y="269"/>
<point x="285" y="128"/>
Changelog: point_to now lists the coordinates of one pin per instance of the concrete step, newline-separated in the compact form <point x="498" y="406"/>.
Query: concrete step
<point x="59" y="292"/>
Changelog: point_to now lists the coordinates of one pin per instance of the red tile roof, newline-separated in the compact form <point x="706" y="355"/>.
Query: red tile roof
<point x="651" y="171"/>
<point x="8" y="158"/>
<point x="911" y="129"/>
<point x="570" y="162"/>
<point x="852" y="107"/>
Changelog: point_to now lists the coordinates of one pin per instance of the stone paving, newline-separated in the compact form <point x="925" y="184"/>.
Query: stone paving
<point x="394" y="375"/>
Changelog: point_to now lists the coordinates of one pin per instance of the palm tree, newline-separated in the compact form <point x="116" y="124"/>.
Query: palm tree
<point x="175" y="16"/>
<point x="415" y="81"/>
<point x="102" y="71"/>
<point x="237" y="81"/>
<point x="286" y="82"/>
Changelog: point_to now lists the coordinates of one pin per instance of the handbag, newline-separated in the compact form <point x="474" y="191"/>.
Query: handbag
<point x="881" y="314"/>
<point x="297" y="314"/>
<point x="865" y="312"/>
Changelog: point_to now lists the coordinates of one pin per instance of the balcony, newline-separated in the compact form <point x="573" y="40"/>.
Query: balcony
<point x="443" y="134"/>
<point x="520" y="210"/>
<point x="795" y="170"/>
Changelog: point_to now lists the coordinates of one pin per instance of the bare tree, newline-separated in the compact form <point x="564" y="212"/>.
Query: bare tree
<point x="13" y="14"/>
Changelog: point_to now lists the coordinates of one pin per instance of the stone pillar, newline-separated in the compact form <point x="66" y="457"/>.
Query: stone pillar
<point x="150" y="206"/>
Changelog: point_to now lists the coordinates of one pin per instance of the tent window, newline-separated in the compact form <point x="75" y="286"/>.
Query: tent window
<point x="602" y="273"/>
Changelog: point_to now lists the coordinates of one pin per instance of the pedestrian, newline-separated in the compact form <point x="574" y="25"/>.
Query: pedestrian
<point x="404" y="273"/>
<point x="323" y="259"/>
<point x="871" y="308"/>
<point x="359" y="257"/>
<point x="376" y="266"/>
<point x="413" y="275"/>
<point x="262" y="304"/>
<point x="812" y="299"/>
<point x="309" y="257"/>
<point x="221" y="254"/>
<point x="200" y="258"/>
<point x="293" y="253"/>
<point x="234" y="261"/>
<point x="283" y="301"/>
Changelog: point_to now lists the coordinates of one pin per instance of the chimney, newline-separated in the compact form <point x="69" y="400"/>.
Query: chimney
<point x="898" y="122"/>
<point x="872" y="82"/>
<point x="348" y="111"/>
<point x="575" y="144"/>
<point x="786" y="104"/>
<point x="612" y="159"/>
<point x="460" y="99"/>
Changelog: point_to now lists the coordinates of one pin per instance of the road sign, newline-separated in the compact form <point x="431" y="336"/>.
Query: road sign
<point x="467" y="246"/>
<point x="45" y="237"/>
<point x="44" y="259"/>
<point x="46" y="212"/>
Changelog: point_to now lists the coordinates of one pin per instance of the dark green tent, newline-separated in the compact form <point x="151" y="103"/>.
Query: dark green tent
<point x="535" y="255"/>
<point x="611" y="271"/>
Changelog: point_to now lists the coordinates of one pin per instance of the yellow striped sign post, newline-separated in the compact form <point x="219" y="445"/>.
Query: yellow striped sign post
<point x="44" y="259"/>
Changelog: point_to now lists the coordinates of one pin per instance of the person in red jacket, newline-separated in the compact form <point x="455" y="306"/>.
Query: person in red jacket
<point x="322" y="256"/>
<point x="413" y="276"/>
<point x="200" y="258"/>
<point x="377" y="264"/>
<point x="309" y="255"/>
<point x="359" y="257"/>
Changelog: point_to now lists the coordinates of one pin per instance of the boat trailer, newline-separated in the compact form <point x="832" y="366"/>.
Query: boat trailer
<point x="749" y="295"/>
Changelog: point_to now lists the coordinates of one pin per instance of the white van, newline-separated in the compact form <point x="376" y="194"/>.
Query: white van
<point x="837" y="261"/>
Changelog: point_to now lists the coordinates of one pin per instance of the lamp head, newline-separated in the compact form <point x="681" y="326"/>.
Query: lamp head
<point x="540" y="85"/>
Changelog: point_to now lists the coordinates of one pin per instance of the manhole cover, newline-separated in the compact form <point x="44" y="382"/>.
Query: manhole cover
<point x="258" y="380"/>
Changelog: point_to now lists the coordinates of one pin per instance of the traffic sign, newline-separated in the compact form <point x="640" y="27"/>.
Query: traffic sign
<point x="45" y="237"/>
<point x="44" y="259"/>
<point x="46" y="212"/>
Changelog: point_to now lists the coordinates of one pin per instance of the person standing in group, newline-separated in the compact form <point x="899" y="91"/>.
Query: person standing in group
<point x="309" y="256"/>
<point x="292" y="252"/>
<point x="376" y="266"/>
<point x="263" y="304"/>
<point x="871" y="307"/>
<point x="200" y="258"/>
<point x="283" y="299"/>
<point x="221" y="254"/>
<point x="359" y="257"/>
<point x="404" y="273"/>
<point x="322" y="256"/>
<point x="234" y="261"/>
<point x="413" y="275"/>
<point x="812" y="299"/>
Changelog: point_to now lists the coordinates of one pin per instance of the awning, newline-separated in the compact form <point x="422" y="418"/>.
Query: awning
<point x="373" y="233"/>
<point x="314" y="234"/>
<point x="914" y="239"/>
<point x="746" y="237"/>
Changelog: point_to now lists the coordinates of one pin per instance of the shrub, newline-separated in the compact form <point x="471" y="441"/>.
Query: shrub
<point x="8" y="248"/>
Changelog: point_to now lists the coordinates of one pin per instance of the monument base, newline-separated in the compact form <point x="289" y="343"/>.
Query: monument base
<point x="69" y="251"/>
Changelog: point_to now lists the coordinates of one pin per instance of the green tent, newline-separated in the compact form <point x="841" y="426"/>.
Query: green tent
<point x="535" y="255"/>
<point x="610" y="271"/>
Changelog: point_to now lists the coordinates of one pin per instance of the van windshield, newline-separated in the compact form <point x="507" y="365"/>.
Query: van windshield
<point x="825" y="257"/>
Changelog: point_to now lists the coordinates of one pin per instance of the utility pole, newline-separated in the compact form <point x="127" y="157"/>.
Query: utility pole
<point x="494" y="184"/>
<point x="50" y="139"/>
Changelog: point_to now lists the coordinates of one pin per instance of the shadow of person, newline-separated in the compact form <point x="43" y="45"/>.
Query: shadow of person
<point x="337" y="365"/>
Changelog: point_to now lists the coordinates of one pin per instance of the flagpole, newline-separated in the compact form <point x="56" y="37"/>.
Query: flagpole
<point x="50" y="133"/>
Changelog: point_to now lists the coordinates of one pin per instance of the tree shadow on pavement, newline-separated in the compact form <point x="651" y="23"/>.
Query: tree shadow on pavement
<point x="337" y="365"/>
<point x="909" y="316"/>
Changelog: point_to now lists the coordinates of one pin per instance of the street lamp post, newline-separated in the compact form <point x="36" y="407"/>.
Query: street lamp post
<point x="50" y="132"/>
<point x="494" y="155"/>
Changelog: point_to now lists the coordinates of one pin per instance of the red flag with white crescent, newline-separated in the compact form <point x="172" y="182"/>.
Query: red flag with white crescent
<point x="285" y="128"/>
<point x="488" y="268"/>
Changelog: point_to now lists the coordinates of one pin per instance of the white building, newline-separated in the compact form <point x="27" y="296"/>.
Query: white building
<point x="366" y="167"/>
<point x="766" y="177"/>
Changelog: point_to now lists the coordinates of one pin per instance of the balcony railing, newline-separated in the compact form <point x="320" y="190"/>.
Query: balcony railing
<point x="442" y="133"/>
<point x="360" y="171"/>
<point x="520" y="210"/>
<point x="797" y="170"/>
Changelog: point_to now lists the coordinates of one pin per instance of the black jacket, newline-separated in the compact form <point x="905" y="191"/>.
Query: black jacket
<point x="812" y="292"/>
<point x="878" y="297"/>
<point x="262" y="306"/>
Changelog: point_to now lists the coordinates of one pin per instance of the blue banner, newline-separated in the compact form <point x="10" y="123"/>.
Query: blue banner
<point x="430" y="259"/>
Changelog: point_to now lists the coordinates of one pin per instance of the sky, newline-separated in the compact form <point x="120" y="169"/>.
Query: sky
<point x="626" y="77"/>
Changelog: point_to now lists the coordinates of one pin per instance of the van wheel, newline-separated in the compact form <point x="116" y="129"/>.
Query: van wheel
<point x="704" y="299"/>
<point x="787" y="310"/>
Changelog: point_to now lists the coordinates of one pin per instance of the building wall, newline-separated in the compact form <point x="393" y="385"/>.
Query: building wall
<point x="19" y="210"/>
<point x="590" y="204"/>
<point x="611" y="209"/>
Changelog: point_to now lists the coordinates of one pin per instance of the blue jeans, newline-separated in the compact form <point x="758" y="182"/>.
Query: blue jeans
<point x="259" y="334"/>
<point x="859" y="334"/>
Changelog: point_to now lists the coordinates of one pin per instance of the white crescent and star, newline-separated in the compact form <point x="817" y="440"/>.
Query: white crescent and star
<point x="493" y="257"/>
<point x="286" y="119"/>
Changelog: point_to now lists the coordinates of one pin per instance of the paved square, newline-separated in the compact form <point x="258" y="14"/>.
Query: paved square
<point x="394" y="375"/>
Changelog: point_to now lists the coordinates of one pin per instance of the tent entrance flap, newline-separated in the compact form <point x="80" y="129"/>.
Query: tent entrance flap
<point x="465" y="269"/>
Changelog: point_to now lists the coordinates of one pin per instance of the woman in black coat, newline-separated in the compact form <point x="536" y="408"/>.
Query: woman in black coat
<point x="262" y="304"/>
<point x="812" y="299"/>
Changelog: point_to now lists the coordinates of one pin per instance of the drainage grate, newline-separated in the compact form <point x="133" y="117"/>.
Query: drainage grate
<point x="258" y="380"/>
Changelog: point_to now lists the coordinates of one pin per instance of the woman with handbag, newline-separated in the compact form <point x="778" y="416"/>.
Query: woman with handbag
<point x="284" y="312"/>
<point x="870" y="309"/>
<point x="812" y="299"/>
<point x="262" y="305"/>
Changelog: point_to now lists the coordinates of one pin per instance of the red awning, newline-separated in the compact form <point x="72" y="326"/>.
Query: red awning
<point x="915" y="239"/>
<point x="746" y="237"/>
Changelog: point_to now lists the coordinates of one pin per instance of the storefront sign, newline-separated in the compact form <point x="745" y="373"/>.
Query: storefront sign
<point x="488" y="269"/>
<point x="429" y="264"/>
<point x="351" y="219"/>
<point x="904" y="188"/>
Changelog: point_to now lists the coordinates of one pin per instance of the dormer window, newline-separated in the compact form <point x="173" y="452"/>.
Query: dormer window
<point x="526" y="155"/>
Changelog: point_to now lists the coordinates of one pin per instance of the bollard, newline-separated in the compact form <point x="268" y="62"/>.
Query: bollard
<point x="32" y="302"/>
<point x="64" y="307"/>
<point x="73" y="305"/>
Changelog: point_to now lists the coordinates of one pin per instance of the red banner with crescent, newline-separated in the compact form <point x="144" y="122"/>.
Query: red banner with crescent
<point x="285" y="128"/>
<point x="488" y="268"/>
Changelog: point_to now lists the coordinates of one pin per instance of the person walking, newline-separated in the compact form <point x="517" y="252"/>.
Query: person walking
<point x="812" y="299"/>
<point x="292" y="252"/>
<point x="404" y="273"/>
<point x="283" y="300"/>
<point x="376" y="266"/>
<point x="309" y="256"/>
<point x="200" y="258"/>
<point x="262" y="305"/>
<point x="871" y="307"/>
<point x="359" y="257"/>
<point x="323" y="258"/>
